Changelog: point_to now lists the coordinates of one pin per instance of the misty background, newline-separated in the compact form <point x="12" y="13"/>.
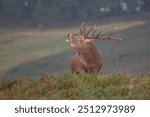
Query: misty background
<point x="55" y="12"/>
<point x="33" y="33"/>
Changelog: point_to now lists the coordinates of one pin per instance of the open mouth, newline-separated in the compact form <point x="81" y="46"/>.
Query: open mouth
<point x="67" y="41"/>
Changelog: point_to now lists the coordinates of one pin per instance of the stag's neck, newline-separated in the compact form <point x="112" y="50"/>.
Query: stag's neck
<point x="89" y="53"/>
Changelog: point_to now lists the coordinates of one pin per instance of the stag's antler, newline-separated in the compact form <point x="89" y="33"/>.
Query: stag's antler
<point x="93" y="29"/>
<point x="83" y="28"/>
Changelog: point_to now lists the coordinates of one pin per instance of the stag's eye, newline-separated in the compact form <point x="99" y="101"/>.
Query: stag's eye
<point x="79" y="38"/>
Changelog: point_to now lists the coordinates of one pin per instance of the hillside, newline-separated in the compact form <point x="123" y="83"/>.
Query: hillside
<point x="72" y="86"/>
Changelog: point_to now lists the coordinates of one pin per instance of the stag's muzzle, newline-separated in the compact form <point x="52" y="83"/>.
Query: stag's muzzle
<point x="67" y="41"/>
<point x="69" y="38"/>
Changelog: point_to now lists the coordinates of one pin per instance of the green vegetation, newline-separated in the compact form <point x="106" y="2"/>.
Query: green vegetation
<point x="82" y="86"/>
<point x="20" y="46"/>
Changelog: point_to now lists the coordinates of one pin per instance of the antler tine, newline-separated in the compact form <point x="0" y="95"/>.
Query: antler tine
<point x="109" y="37"/>
<point x="85" y="27"/>
<point x="113" y="31"/>
<point x="94" y="31"/>
<point x="81" y="31"/>
<point x="84" y="30"/>
<point x="92" y="28"/>
<point x="97" y="36"/>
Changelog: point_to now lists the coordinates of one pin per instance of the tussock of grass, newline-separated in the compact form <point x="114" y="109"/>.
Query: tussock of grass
<point x="82" y="86"/>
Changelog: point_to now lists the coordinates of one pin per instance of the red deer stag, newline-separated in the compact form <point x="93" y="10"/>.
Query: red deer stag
<point x="87" y="57"/>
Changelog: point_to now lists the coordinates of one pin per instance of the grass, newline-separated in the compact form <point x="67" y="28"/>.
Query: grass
<point x="82" y="86"/>
<point x="20" y="52"/>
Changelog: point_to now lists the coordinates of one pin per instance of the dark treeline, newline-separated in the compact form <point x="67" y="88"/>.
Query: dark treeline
<point x="42" y="11"/>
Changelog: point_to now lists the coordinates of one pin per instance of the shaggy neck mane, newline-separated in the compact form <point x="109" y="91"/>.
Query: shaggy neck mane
<point x="88" y="53"/>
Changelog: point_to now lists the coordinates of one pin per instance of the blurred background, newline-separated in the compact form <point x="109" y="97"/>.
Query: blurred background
<point x="33" y="33"/>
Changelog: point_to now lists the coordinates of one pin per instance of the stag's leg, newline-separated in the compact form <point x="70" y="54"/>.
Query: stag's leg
<point x="76" y="65"/>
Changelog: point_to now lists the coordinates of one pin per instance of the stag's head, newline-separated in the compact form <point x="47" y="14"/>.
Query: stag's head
<point x="87" y="35"/>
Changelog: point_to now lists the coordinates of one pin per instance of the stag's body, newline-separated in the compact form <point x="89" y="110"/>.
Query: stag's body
<point x="87" y="57"/>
